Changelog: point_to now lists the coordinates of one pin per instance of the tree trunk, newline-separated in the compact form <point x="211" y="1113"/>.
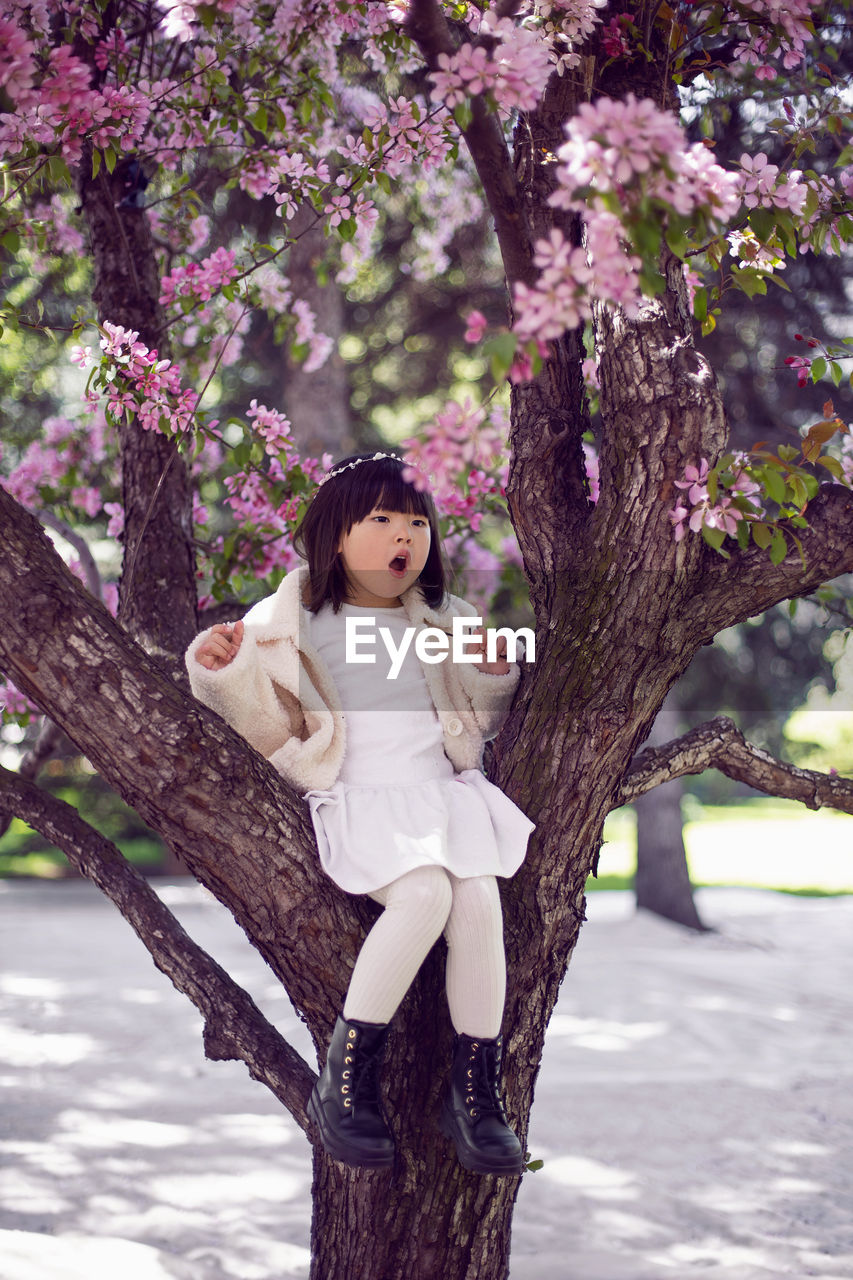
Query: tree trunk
<point x="317" y="403"/>
<point x="604" y="663"/>
<point x="663" y="881"/>
<point x="157" y="592"/>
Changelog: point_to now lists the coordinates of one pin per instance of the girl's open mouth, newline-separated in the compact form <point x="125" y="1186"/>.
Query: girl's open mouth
<point x="399" y="566"/>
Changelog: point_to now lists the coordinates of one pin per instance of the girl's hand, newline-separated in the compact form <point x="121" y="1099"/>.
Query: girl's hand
<point x="478" y="647"/>
<point x="221" y="647"/>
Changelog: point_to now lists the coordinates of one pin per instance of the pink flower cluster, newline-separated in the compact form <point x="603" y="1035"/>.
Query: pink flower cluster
<point x="618" y="154"/>
<point x="49" y="459"/>
<point x="722" y="514"/>
<point x="63" y="108"/>
<point x="403" y="133"/>
<point x="760" y="185"/>
<point x="566" y="24"/>
<point x="273" y="428"/>
<point x="480" y="566"/>
<point x="319" y="344"/>
<point x="514" y="69"/>
<point x="17" y="61"/>
<point x="802" y="365"/>
<point x="139" y="384"/>
<point x="200" y="280"/>
<point x="613" y="39"/>
<point x="775" y="27"/>
<point x="634" y="151"/>
<point x="460" y="443"/>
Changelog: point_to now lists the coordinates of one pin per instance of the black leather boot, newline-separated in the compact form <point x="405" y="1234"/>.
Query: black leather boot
<point x="344" y="1103"/>
<point x="473" y="1115"/>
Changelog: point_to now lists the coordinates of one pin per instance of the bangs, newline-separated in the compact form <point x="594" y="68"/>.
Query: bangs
<point x="382" y="485"/>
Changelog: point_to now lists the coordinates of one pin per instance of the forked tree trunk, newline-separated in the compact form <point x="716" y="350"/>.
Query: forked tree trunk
<point x="620" y="612"/>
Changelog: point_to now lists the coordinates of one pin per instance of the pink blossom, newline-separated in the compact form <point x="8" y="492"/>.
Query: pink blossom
<point x="476" y="326"/>
<point x="678" y="515"/>
<point x="116" y="522"/>
<point x="17" y="62"/>
<point x="82" y="356"/>
<point x="272" y="426"/>
<point x="88" y="499"/>
<point x="695" y="481"/>
<point x="514" y="70"/>
<point x="723" y="516"/>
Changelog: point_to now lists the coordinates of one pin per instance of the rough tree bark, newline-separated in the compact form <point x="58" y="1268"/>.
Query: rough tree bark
<point x="157" y="592"/>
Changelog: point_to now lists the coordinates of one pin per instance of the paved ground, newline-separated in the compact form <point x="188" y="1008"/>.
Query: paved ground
<point x="694" y="1108"/>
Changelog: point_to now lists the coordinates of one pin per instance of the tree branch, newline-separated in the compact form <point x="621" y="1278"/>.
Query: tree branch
<point x="234" y="1027"/>
<point x="217" y="803"/>
<point x="81" y="546"/>
<point x="50" y="736"/>
<point x="484" y="138"/>
<point x="730" y="591"/>
<point x="719" y="744"/>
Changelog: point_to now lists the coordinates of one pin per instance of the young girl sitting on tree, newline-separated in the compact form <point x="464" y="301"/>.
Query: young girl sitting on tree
<point x="390" y="768"/>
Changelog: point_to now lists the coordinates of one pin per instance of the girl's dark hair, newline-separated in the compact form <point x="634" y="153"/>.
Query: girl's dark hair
<point x="346" y="499"/>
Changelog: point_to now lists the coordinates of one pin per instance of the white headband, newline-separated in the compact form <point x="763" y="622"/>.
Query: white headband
<point x="330" y="475"/>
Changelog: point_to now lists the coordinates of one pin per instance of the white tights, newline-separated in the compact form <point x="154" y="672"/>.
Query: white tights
<point x="418" y="908"/>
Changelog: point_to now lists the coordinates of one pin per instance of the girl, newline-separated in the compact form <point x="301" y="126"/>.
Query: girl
<point x="390" y="768"/>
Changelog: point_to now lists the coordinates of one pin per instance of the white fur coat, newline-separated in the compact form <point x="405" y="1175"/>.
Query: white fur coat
<point x="279" y="695"/>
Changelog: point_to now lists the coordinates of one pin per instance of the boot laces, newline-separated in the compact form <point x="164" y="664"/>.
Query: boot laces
<point x="484" y="1083"/>
<point x="365" y="1076"/>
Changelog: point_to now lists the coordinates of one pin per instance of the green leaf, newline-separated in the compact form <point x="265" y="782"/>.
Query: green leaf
<point x="818" y="368"/>
<point x="96" y="162"/>
<point x="762" y="535"/>
<point x="715" y="538"/>
<point x="778" y="547"/>
<point x="798" y="490"/>
<point x="774" y="484"/>
<point x="832" y="465"/>
<point x="463" y="115"/>
<point x="500" y="351"/>
<point x="837" y="373"/>
<point x="58" y="170"/>
<point x="763" y="223"/>
<point x="750" y="281"/>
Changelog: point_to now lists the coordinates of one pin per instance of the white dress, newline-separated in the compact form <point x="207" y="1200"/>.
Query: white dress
<point x="397" y="803"/>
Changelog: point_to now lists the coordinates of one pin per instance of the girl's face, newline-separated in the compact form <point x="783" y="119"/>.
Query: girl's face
<point x="383" y="555"/>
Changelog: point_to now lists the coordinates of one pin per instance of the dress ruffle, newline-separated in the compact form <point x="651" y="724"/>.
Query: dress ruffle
<point x="370" y="835"/>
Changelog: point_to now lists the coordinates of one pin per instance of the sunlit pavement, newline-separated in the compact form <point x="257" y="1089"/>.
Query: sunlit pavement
<point x="693" y="1109"/>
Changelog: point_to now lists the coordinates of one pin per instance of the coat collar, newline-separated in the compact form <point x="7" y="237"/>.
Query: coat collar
<point x="284" y="614"/>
